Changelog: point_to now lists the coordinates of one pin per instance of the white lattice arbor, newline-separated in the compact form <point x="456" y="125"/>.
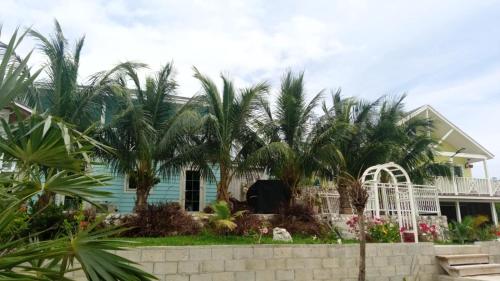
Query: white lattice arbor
<point x="391" y="194"/>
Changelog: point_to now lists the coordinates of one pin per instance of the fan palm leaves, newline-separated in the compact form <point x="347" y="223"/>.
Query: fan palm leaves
<point x="60" y="94"/>
<point x="15" y="77"/>
<point x="227" y="137"/>
<point x="50" y="157"/>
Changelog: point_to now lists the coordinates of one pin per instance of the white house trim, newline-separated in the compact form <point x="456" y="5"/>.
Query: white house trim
<point x="445" y="136"/>
<point x="126" y="188"/>
<point x="423" y="108"/>
<point x="462" y="155"/>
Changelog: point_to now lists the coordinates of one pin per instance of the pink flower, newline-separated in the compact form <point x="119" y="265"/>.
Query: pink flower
<point x="264" y="230"/>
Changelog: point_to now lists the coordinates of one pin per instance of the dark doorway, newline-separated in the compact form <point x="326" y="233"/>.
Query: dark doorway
<point x="192" y="191"/>
<point x="448" y="209"/>
<point x="474" y="209"/>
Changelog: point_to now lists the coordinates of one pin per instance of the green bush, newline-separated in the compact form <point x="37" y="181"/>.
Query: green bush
<point x="471" y="229"/>
<point x="385" y="232"/>
<point x="50" y="221"/>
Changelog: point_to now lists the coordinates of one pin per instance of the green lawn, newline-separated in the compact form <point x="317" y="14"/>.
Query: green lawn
<point x="211" y="239"/>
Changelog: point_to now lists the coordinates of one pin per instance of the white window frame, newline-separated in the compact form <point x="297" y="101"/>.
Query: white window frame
<point x="182" y="189"/>
<point x="126" y="188"/>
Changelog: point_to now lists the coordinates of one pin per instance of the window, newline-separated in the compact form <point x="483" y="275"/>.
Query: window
<point x="128" y="185"/>
<point x="457" y="171"/>
<point x="192" y="191"/>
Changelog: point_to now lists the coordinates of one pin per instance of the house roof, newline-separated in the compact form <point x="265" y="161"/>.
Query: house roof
<point x="445" y="130"/>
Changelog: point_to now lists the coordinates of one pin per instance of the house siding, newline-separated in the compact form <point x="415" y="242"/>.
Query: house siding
<point x="165" y="191"/>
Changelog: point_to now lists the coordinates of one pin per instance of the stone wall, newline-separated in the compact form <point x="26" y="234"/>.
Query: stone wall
<point x="392" y="262"/>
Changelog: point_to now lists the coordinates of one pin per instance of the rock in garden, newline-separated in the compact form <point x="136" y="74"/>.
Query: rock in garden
<point x="281" y="234"/>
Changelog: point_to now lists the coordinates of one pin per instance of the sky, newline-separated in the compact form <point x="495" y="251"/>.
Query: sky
<point x="444" y="53"/>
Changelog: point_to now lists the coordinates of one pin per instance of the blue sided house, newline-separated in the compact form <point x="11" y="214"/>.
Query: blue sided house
<point x="188" y="188"/>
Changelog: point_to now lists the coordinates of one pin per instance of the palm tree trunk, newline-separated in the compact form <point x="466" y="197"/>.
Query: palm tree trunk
<point x="345" y="206"/>
<point x="362" y="245"/>
<point x="223" y="185"/>
<point x="142" y="194"/>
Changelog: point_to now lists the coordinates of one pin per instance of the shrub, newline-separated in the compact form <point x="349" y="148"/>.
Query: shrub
<point x="223" y="221"/>
<point x="248" y="224"/>
<point x="471" y="229"/>
<point x="299" y="219"/>
<point x="49" y="221"/>
<point x="385" y="232"/>
<point x="161" y="219"/>
<point x="377" y="229"/>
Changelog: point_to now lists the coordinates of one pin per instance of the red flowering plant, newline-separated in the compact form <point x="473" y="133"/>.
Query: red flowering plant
<point x="428" y="232"/>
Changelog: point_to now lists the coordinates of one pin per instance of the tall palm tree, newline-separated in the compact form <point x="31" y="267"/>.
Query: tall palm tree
<point x="60" y="94"/>
<point x="375" y="135"/>
<point x="146" y="131"/>
<point x="298" y="146"/>
<point x="227" y="136"/>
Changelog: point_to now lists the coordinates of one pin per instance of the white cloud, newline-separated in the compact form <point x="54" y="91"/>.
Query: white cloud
<point x="444" y="53"/>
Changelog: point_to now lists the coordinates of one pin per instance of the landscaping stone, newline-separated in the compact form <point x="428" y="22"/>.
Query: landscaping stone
<point x="281" y="234"/>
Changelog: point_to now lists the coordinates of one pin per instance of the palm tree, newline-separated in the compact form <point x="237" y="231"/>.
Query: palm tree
<point x="146" y="131"/>
<point x="374" y="134"/>
<point x="298" y="145"/>
<point x="227" y="138"/>
<point x="48" y="162"/>
<point x="61" y="94"/>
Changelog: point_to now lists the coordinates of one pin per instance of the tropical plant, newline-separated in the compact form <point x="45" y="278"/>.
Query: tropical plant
<point x="299" y="219"/>
<point x="226" y="135"/>
<point x="461" y="232"/>
<point x="471" y="228"/>
<point x="147" y="131"/>
<point x="376" y="133"/>
<point x="159" y="220"/>
<point x="297" y="146"/>
<point x="61" y="94"/>
<point x="222" y="220"/>
<point x="15" y="77"/>
<point x="49" y="164"/>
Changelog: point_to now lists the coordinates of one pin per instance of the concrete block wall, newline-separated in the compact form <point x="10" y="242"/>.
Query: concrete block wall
<point x="391" y="262"/>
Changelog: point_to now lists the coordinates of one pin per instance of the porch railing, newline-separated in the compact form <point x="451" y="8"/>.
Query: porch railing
<point x="467" y="186"/>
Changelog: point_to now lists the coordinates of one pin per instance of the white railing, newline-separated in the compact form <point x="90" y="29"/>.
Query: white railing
<point x="472" y="186"/>
<point x="467" y="186"/>
<point x="495" y="186"/>
<point x="426" y="199"/>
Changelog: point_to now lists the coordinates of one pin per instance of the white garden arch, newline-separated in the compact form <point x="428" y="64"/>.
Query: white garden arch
<point x="391" y="194"/>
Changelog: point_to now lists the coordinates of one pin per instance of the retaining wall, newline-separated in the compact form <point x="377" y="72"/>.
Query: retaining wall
<point x="393" y="262"/>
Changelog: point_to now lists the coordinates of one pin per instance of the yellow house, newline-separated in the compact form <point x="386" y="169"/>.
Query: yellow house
<point x="462" y="195"/>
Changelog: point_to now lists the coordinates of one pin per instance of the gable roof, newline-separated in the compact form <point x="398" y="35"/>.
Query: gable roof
<point x="445" y="130"/>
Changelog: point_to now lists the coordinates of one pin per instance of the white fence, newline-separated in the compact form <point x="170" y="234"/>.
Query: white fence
<point x="467" y="186"/>
<point x="426" y="199"/>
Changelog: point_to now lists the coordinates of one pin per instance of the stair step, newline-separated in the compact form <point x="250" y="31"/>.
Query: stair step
<point x="464" y="259"/>
<point x="474" y="269"/>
